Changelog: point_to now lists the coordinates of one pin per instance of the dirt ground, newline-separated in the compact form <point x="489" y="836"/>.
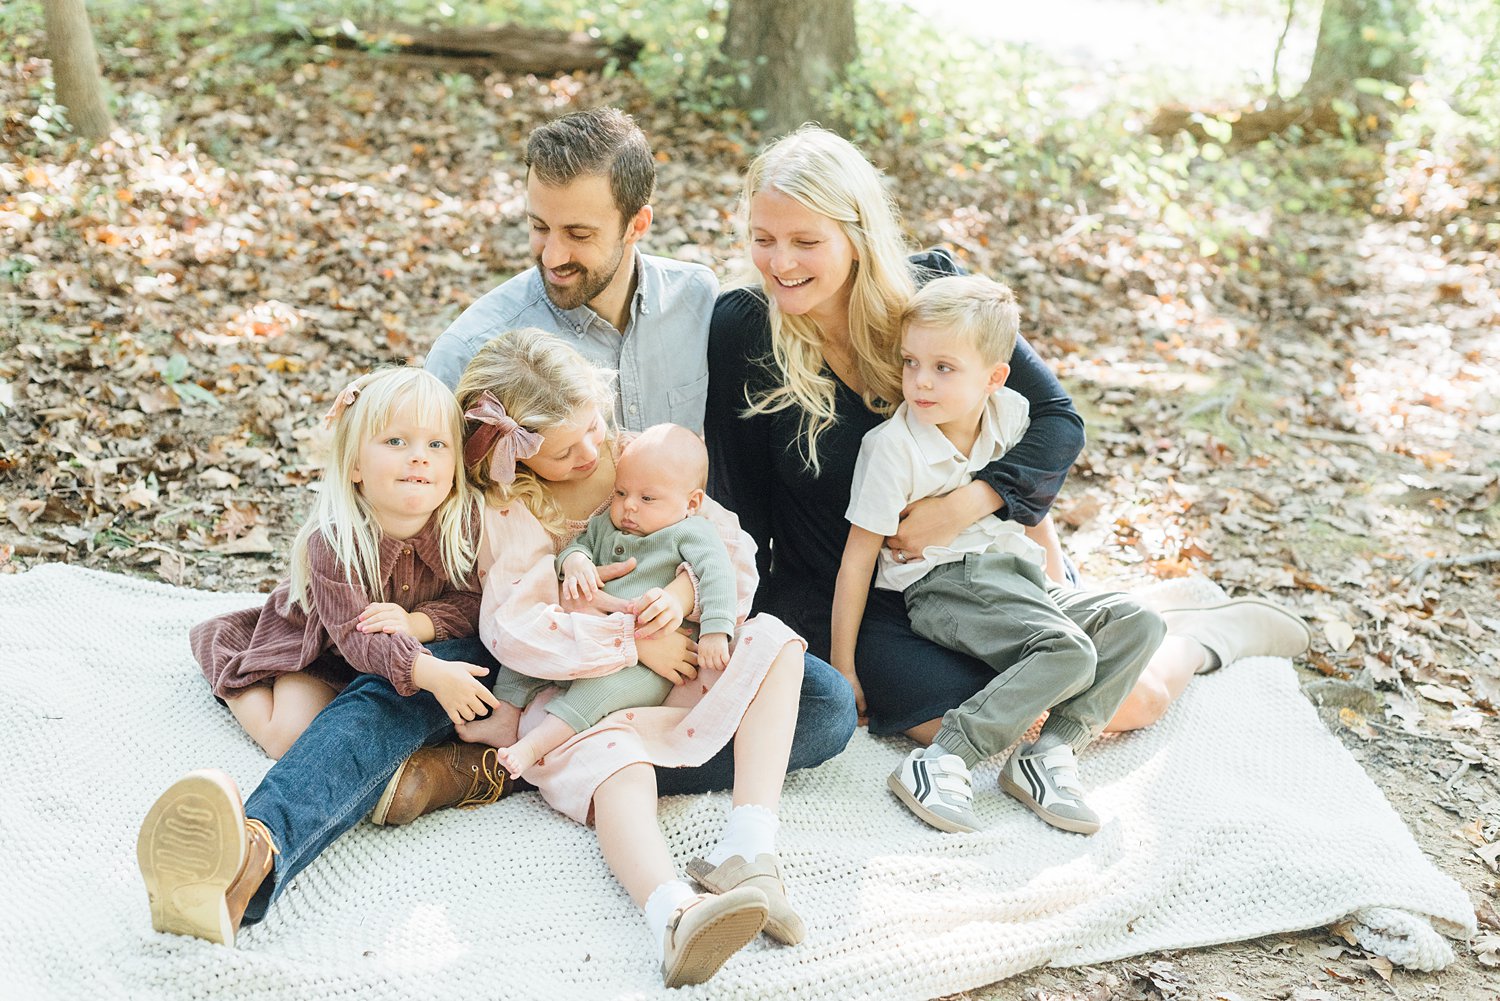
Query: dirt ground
<point x="178" y="306"/>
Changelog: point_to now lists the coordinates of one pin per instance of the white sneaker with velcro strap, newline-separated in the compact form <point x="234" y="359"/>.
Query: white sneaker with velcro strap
<point x="937" y="790"/>
<point x="1047" y="782"/>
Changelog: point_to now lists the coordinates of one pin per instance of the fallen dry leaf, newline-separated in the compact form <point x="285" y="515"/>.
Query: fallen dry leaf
<point x="1340" y="635"/>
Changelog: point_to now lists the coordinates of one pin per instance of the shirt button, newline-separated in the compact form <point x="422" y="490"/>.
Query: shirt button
<point x="633" y="408"/>
<point x="619" y="550"/>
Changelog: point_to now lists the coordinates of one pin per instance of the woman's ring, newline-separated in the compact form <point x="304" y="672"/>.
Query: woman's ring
<point x="900" y="556"/>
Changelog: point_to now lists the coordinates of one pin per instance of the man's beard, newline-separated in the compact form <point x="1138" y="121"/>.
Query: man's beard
<point x="589" y="285"/>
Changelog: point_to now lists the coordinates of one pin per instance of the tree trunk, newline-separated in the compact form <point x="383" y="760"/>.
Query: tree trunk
<point x="1371" y="39"/>
<point x="75" y="67"/>
<point x="797" y="50"/>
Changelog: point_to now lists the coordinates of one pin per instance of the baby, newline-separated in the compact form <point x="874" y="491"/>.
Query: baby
<point x="659" y="483"/>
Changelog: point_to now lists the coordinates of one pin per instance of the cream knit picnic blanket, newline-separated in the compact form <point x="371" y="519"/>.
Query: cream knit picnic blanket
<point x="1237" y="815"/>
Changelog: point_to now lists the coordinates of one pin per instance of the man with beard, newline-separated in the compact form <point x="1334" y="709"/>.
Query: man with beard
<point x="589" y="177"/>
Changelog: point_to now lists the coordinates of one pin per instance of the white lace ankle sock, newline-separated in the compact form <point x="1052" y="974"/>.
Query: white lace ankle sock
<point x="751" y="831"/>
<point x="664" y="900"/>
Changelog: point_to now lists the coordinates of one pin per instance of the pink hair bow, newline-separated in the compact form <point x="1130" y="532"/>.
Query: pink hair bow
<point x="499" y="436"/>
<point x="342" y="402"/>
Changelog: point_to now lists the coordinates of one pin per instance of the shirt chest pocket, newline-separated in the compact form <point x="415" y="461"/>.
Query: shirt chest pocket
<point x="686" y="402"/>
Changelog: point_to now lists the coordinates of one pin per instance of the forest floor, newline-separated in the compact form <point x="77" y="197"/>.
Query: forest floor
<point x="178" y="305"/>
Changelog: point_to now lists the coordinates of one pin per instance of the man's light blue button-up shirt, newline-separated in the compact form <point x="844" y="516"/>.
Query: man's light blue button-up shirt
<point x="662" y="357"/>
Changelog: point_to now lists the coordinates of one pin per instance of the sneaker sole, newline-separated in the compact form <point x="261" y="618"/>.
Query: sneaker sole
<point x="1055" y="819"/>
<point x="710" y="946"/>
<point x="937" y="820"/>
<point x="191" y="847"/>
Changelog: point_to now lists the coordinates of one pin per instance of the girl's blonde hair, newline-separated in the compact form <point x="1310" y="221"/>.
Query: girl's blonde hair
<point x="541" y="382"/>
<point x="827" y="175"/>
<point x="342" y="515"/>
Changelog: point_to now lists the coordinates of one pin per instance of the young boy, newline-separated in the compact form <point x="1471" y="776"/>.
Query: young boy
<point x="985" y="594"/>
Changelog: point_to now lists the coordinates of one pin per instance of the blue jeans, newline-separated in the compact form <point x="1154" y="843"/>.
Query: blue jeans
<point x="331" y="778"/>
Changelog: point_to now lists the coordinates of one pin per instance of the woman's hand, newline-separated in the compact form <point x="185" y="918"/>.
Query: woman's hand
<point x="672" y="655"/>
<point x="656" y="612"/>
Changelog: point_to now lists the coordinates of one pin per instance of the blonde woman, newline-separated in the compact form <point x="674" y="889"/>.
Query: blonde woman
<point x="383" y="565"/>
<point x="807" y="360"/>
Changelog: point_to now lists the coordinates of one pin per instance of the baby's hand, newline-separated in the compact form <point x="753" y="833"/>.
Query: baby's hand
<point x="385" y="617"/>
<point x="580" y="578"/>
<point x="713" y="650"/>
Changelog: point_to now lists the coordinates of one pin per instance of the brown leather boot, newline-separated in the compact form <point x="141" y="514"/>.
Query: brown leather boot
<point x="435" y="778"/>
<point x="201" y="859"/>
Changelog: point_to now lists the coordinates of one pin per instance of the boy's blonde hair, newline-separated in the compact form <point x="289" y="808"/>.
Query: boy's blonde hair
<point x="341" y="514"/>
<point x="981" y="311"/>
<point x="827" y="175"/>
<point x="541" y="382"/>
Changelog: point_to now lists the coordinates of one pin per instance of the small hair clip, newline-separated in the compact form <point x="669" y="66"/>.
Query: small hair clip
<point x="342" y="402"/>
<point x="499" y="436"/>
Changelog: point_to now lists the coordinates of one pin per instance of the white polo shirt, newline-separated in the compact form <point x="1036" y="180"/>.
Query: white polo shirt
<point x="904" y="460"/>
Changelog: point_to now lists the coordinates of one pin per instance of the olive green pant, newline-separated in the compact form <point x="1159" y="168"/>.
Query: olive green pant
<point x="1075" y="653"/>
<point x="588" y="700"/>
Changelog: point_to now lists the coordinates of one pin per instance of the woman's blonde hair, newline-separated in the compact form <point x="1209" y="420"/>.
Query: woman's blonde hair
<point x="827" y="175"/>
<point x="342" y="515"/>
<point x="541" y="382"/>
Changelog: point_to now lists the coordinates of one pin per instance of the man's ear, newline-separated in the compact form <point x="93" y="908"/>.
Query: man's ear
<point x="695" y="501"/>
<point x="638" y="225"/>
<point x="999" y="375"/>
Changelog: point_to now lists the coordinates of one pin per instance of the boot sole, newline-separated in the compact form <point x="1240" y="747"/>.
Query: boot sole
<point x="718" y="938"/>
<point x="380" y="816"/>
<point x="1055" y="819"/>
<point x="191" y="847"/>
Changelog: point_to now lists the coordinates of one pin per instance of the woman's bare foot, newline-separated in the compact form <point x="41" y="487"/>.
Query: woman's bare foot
<point x="498" y="729"/>
<point x="518" y="757"/>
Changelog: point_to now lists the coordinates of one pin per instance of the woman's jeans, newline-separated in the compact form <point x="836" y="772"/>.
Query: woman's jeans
<point x="334" y="774"/>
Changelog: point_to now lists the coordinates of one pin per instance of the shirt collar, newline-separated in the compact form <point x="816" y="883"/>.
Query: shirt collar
<point x="935" y="446"/>
<point x="582" y="317"/>
<point x="426" y="545"/>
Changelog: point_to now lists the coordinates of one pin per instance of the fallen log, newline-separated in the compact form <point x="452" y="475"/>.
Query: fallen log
<point x="1250" y="125"/>
<point x="506" y="48"/>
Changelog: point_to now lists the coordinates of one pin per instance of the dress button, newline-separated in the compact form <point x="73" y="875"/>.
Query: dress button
<point x="406" y="587"/>
<point x="406" y="552"/>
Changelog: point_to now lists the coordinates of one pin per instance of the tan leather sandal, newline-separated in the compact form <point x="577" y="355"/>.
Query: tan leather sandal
<point x="764" y="874"/>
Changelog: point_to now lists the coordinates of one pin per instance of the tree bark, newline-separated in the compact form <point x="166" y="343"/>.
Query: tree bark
<point x="797" y="51"/>
<point x="1372" y="39"/>
<point x="75" y="67"/>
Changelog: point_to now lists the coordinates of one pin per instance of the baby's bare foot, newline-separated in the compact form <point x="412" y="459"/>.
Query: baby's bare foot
<point x="517" y="757"/>
<point x="498" y="729"/>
